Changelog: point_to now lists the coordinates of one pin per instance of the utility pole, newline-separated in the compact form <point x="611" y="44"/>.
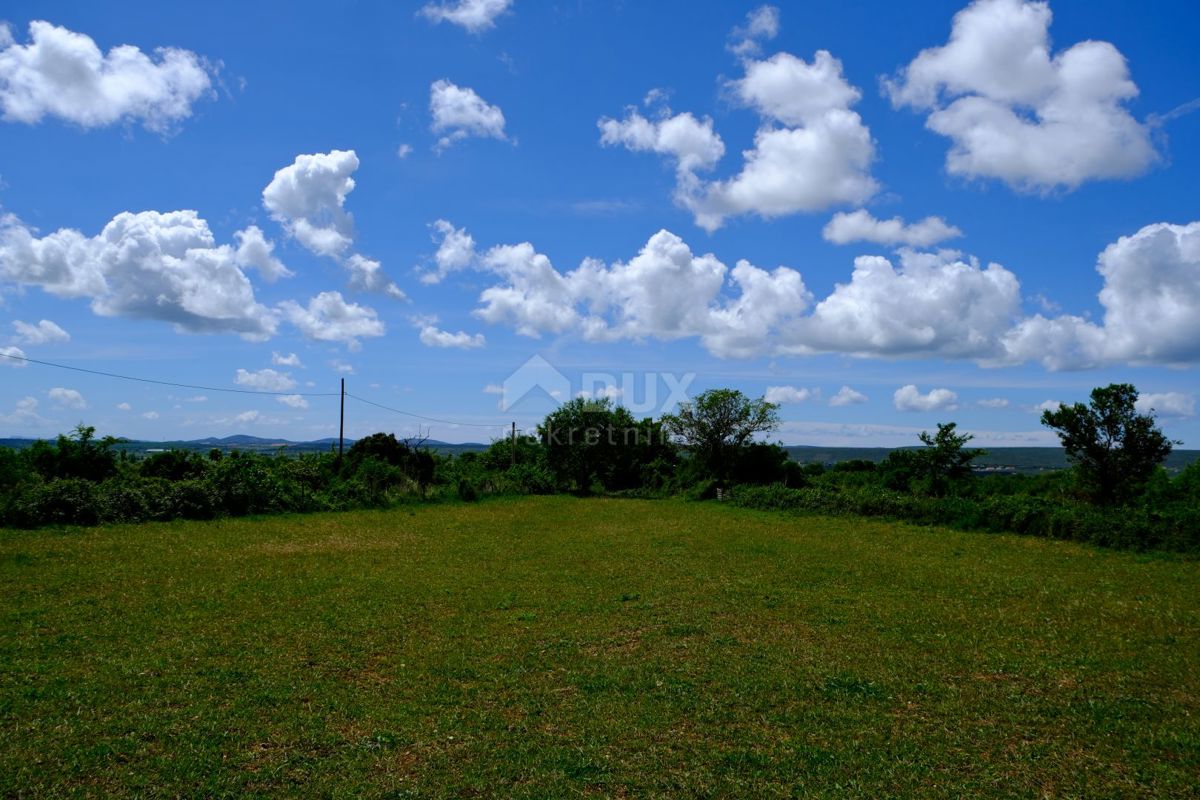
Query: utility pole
<point x="514" y="444"/>
<point x="342" y="423"/>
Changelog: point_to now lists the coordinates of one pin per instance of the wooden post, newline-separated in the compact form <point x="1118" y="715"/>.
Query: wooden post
<point x="342" y="422"/>
<point x="514" y="444"/>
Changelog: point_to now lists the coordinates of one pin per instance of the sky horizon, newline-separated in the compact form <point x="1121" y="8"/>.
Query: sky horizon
<point x="879" y="217"/>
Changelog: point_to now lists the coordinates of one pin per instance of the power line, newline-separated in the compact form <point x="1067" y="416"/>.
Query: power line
<point x="166" y="383"/>
<point x="247" y="391"/>
<point x="422" y="416"/>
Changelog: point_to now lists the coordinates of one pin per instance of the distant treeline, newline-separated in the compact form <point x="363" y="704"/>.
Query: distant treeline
<point x="1115" y="494"/>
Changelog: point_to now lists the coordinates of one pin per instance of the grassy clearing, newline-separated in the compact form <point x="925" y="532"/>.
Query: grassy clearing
<point x="554" y="647"/>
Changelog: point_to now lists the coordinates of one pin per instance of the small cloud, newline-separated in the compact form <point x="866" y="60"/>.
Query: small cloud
<point x="12" y="357"/>
<point x="1048" y="405"/>
<point x="44" y="332"/>
<point x="124" y="407"/>
<point x="493" y="388"/>
<point x="290" y="360"/>
<point x="341" y="367"/>
<point x="265" y="380"/>
<point x="761" y="24"/>
<point x="66" y="398"/>
<point x="404" y="151"/>
<point x="150" y="415"/>
<point x="293" y="400"/>
<point x="909" y="398"/>
<point x="246" y="416"/>
<point x="994" y="402"/>
<point x="847" y="397"/>
<point x="788" y="394"/>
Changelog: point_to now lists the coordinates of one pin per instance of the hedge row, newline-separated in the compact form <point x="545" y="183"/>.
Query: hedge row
<point x="1175" y="527"/>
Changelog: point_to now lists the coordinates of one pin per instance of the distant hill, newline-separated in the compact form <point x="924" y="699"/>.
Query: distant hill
<point x="251" y="444"/>
<point x="1026" y="460"/>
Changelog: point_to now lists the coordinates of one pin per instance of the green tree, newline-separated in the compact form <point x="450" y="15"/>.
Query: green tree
<point x="1114" y="448"/>
<point x="589" y="441"/>
<point x="716" y="423"/>
<point x="945" y="458"/>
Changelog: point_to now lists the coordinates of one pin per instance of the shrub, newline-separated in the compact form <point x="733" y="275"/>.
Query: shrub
<point x="467" y="491"/>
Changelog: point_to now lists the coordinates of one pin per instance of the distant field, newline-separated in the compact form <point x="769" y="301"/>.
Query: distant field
<point x="556" y="647"/>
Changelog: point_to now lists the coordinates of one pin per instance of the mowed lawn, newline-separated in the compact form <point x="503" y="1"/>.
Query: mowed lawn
<point x="558" y="647"/>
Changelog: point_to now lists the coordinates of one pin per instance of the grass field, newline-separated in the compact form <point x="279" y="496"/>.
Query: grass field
<point x="555" y="647"/>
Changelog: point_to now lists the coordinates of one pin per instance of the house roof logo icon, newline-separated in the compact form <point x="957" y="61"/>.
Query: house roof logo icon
<point x="535" y="376"/>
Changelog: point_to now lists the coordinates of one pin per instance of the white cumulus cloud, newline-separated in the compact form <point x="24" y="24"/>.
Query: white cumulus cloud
<point x="1151" y="300"/>
<point x="148" y="265"/>
<point x="861" y="226"/>
<point x="44" y="332"/>
<point x="811" y="150"/>
<point x="289" y="360"/>
<point x="308" y="198"/>
<point x="1017" y="112"/>
<point x="847" y="397"/>
<point x="909" y="398"/>
<point x="67" y="398"/>
<point x="474" y="16"/>
<point x="933" y="304"/>
<point x="64" y="74"/>
<point x="328" y="317"/>
<point x="264" y="380"/>
<point x="788" y="394"/>
<point x="458" y="113"/>
<point x="293" y="400"/>
<point x="433" y="336"/>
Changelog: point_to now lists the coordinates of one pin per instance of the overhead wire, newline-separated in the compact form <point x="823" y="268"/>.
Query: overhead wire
<point x="198" y="387"/>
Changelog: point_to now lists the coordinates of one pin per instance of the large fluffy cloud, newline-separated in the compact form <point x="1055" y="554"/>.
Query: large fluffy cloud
<point x="458" y="113"/>
<point x="917" y="304"/>
<point x="932" y="305"/>
<point x="308" y="198"/>
<point x="64" y="74"/>
<point x="664" y="292"/>
<point x="1151" y="300"/>
<point x="148" y="265"/>
<point x="1018" y="113"/>
<point x="811" y="150"/>
<point x="474" y="16"/>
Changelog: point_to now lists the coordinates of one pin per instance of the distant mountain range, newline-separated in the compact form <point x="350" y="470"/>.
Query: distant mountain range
<point x="252" y="443"/>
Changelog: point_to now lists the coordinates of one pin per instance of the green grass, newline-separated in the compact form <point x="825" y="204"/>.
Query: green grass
<point x="556" y="647"/>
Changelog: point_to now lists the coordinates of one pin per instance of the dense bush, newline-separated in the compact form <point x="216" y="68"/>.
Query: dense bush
<point x="1172" y="528"/>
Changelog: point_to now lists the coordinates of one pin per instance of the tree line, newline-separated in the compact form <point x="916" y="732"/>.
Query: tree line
<point x="714" y="443"/>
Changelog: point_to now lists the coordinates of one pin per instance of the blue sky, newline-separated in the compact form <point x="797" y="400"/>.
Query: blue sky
<point x="954" y="217"/>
